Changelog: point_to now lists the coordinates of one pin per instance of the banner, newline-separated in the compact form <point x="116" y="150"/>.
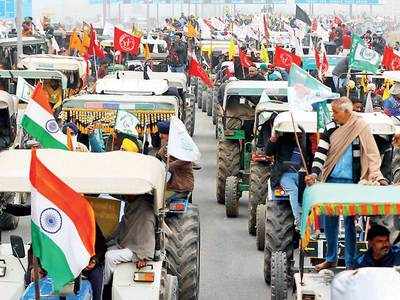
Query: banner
<point x="362" y="58"/>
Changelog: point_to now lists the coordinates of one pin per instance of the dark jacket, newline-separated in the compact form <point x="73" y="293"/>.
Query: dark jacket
<point x="282" y="151"/>
<point x="389" y="260"/>
<point x="178" y="56"/>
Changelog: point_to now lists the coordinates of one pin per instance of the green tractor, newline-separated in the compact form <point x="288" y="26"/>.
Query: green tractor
<point x="235" y="124"/>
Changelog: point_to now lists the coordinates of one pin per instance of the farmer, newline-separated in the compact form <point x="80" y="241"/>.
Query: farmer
<point x="347" y="153"/>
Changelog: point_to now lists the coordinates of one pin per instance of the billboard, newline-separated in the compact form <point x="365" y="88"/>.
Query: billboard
<point x="8" y="9"/>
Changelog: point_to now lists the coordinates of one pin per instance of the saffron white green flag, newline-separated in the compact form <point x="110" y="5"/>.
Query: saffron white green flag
<point x="180" y="144"/>
<point x="362" y="58"/>
<point x="40" y="123"/>
<point x="62" y="225"/>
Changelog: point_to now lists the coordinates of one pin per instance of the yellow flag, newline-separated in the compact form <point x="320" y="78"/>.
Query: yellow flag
<point x="146" y="51"/>
<point x="364" y="83"/>
<point x="386" y="93"/>
<point x="264" y="54"/>
<point x="207" y="49"/>
<point x="231" y="50"/>
<point x="74" y="41"/>
<point x="191" y="31"/>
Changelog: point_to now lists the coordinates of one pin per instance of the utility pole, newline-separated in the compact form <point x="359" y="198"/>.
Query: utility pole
<point x="104" y="12"/>
<point x="148" y="14"/>
<point x="188" y="8"/>
<point x="351" y="10"/>
<point x="18" y="24"/>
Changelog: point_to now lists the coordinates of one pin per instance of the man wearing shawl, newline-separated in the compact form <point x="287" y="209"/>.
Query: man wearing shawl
<point x="347" y="153"/>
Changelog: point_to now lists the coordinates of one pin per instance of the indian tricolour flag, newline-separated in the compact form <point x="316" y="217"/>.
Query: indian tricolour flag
<point x="62" y="227"/>
<point x="39" y="121"/>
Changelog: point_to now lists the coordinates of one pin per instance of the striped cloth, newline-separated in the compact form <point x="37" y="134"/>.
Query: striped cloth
<point x="323" y="149"/>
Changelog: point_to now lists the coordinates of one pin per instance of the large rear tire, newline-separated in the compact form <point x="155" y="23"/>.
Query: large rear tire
<point x="232" y="197"/>
<point x="259" y="174"/>
<point x="279" y="284"/>
<point x="279" y="233"/>
<point x="190" y="117"/>
<point x="205" y="97"/>
<point x="8" y="221"/>
<point x="183" y="250"/>
<point x="228" y="164"/>
<point x="210" y="104"/>
<point x="260" y="227"/>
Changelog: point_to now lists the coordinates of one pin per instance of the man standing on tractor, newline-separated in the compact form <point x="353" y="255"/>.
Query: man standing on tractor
<point x="347" y="153"/>
<point x="177" y="57"/>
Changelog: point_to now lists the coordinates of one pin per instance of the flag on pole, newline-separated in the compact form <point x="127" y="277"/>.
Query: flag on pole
<point x="126" y="123"/>
<point x="196" y="70"/>
<point x="302" y="16"/>
<point x="323" y="115"/>
<point x="304" y="90"/>
<point x="40" y="123"/>
<point x="321" y="61"/>
<point x="231" y="49"/>
<point x="126" y="42"/>
<point x="390" y="59"/>
<point x="264" y="54"/>
<point x="74" y="41"/>
<point x="245" y="61"/>
<point x="285" y="59"/>
<point x="24" y="90"/>
<point x="63" y="235"/>
<point x="191" y="31"/>
<point x="94" y="46"/>
<point x="180" y="144"/>
<point x="362" y="58"/>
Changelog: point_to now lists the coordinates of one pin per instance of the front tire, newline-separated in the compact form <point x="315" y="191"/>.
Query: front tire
<point x="279" y="284"/>
<point x="232" y="197"/>
<point x="260" y="227"/>
<point x="279" y="233"/>
<point x="183" y="250"/>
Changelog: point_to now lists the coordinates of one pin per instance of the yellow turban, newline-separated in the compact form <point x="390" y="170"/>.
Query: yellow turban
<point x="130" y="146"/>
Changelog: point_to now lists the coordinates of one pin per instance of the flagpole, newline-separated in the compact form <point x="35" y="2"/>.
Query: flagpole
<point x="298" y="145"/>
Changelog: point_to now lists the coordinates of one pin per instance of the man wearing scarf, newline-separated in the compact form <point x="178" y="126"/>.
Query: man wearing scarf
<point x="347" y="153"/>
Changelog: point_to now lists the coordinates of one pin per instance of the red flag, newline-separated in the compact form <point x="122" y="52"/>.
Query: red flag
<point x="346" y="41"/>
<point x="284" y="59"/>
<point x="126" y="42"/>
<point x="245" y="60"/>
<point x="196" y="70"/>
<point x="94" y="46"/>
<point x="321" y="60"/>
<point x="390" y="60"/>
<point x="266" y="31"/>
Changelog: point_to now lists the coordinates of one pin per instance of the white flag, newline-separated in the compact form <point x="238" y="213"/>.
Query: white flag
<point x="126" y="123"/>
<point x="24" y="90"/>
<point x="180" y="144"/>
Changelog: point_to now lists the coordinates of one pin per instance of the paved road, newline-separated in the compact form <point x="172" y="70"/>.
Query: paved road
<point x="231" y="266"/>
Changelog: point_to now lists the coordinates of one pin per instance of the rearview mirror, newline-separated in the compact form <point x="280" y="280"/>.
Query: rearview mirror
<point x="17" y="245"/>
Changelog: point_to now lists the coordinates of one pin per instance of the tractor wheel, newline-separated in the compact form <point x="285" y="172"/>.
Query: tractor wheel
<point x="279" y="284"/>
<point x="199" y="97"/>
<point x="232" y="197"/>
<point x="259" y="174"/>
<point x="8" y="221"/>
<point x="215" y="108"/>
<point x="183" y="250"/>
<point x="169" y="287"/>
<point x="190" y="117"/>
<point x="260" y="227"/>
<point x="279" y="233"/>
<point x="205" y="97"/>
<point x="210" y="104"/>
<point x="228" y="164"/>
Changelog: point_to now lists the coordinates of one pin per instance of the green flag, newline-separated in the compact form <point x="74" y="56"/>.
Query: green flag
<point x="323" y="115"/>
<point x="362" y="58"/>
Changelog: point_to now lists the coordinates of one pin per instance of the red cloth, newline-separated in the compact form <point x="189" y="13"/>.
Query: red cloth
<point x="284" y="59"/>
<point x="125" y="42"/>
<point x="346" y="41"/>
<point x="94" y="46"/>
<point x="321" y="62"/>
<point x="196" y="70"/>
<point x="390" y="60"/>
<point x="245" y="61"/>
